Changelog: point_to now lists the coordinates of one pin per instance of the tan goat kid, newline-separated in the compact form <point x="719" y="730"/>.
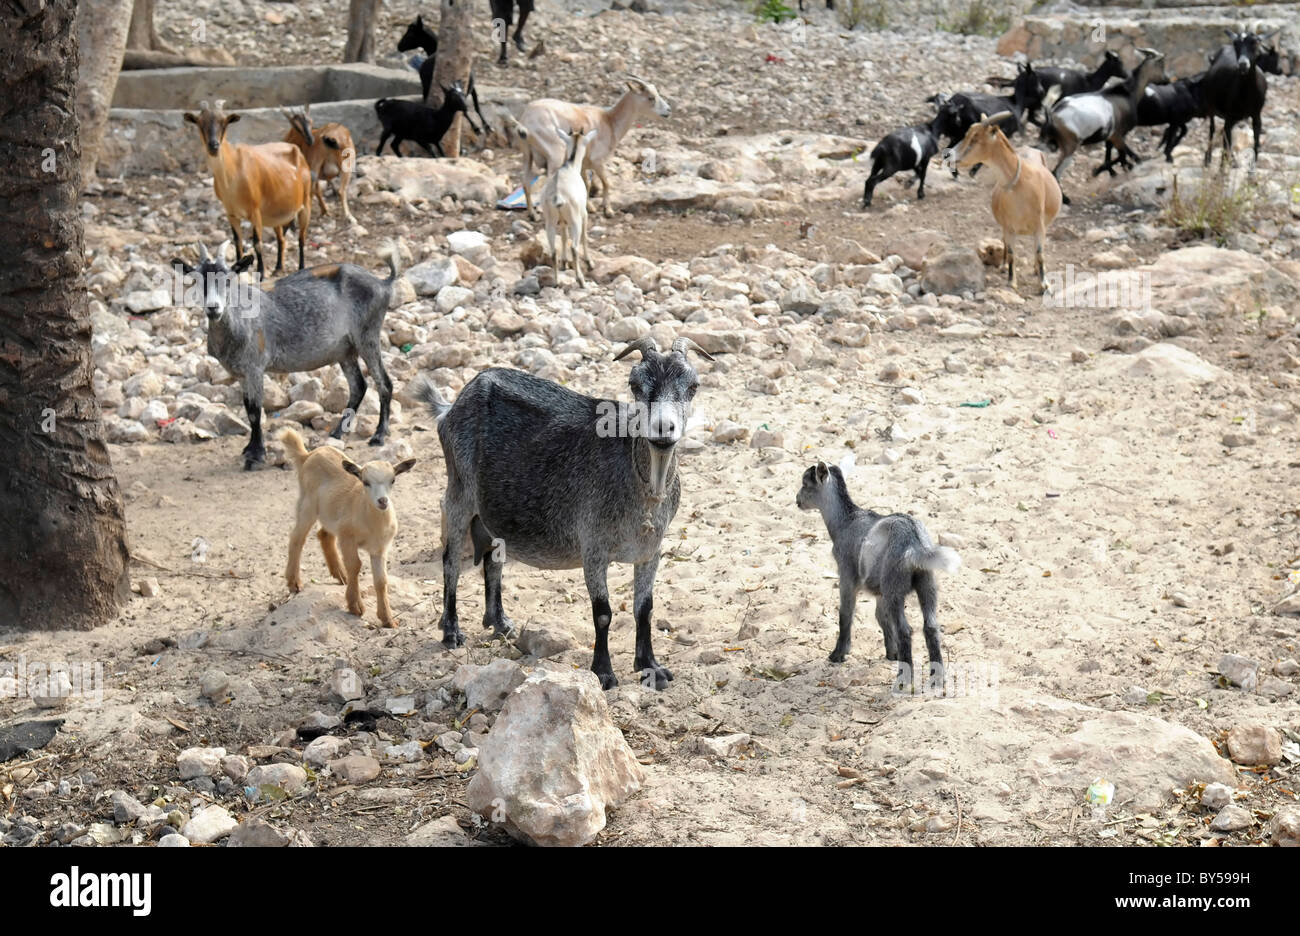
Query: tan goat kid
<point x="329" y="152"/>
<point x="1026" y="196"/>
<point x="267" y="184"/>
<point x="355" y="512"/>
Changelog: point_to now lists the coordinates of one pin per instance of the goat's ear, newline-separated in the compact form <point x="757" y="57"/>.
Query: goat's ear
<point x="231" y="118"/>
<point x="243" y="263"/>
<point x="181" y="265"/>
<point x="191" y="118"/>
<point x="822" y="472"/>
<point x="351" y="467"/>
<point x="403" y="466"/>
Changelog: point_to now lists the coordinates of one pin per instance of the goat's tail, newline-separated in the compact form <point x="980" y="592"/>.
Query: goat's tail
<point x="392" y="253"/>
<point x="934" y="559"/>
<point x="294" y="447"/>
<point x="427" y="394"/>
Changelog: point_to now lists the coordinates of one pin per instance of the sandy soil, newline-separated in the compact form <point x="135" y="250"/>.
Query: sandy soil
<point x="1085" y="498"/>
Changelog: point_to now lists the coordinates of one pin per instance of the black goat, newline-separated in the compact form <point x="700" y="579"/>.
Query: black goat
<point x="1235" y="89"/>
<point x="909" y="148"/>
<point x="1174" y="104"/>
<point x="411" y="120"/>
<point x="1075" y="81"/>
<point x="419" y="36"/>
<point x="963" y="110"/>
<point x="1269" y="60"/>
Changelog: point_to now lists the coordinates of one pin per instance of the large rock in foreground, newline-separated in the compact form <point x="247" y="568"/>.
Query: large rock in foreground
<point x="554" y="762"/>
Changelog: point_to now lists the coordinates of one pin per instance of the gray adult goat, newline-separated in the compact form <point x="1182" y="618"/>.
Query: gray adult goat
<point x="559" y="480"/>
<point x="323" y="315"/>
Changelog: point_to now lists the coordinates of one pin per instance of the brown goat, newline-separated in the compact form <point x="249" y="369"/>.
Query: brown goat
<point x="355" y="512"/>
<point x="268" y="184"/>
<point x="1026" y="196"/>
<point x="329" y="153"/>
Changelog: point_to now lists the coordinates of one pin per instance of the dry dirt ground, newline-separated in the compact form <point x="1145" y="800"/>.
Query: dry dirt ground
<point x="1085" y="497"/>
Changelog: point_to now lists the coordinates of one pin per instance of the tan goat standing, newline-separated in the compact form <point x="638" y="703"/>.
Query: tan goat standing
<point x="353" y="506"/>
<point x="1026" y="196"/>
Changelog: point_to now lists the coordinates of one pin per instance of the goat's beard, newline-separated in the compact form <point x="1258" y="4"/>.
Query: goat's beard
<point x="661" y="469"/>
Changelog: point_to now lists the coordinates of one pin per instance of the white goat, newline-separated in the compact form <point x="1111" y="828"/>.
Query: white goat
<point x="564" y="205"/>
<point x="548" y="122"/>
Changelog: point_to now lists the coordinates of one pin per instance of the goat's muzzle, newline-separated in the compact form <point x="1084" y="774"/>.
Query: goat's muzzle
<point x="382" y="503"/>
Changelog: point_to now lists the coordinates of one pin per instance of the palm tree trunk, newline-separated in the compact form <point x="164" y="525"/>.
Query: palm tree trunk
<point x="63" y="552"/>
<point x="455" y="60"/>
<point x="362" y="16"/>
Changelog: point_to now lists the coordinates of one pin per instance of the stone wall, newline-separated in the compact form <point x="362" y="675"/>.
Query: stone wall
<point x="1185" y="36"/>
<point x="147" y="132"/>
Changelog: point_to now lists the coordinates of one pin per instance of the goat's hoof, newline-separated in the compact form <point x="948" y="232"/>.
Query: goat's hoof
<point x="358" y="609"/>
<point x="607" y="680"/>
<point x="654" y="676"/>
<point x="377" y="439"/>
<point x="453" y="638"/>
<point x="838" y="656"/>
<point x="295" y="585"/>
<point x="390" y="623"/>
<point x="502" y="627"/>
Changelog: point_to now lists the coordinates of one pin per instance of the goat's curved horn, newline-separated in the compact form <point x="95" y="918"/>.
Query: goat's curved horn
<point x="203" y="252"/>
<point x="219" y="105"/>
<point x="644" y="345"/>
<point x="996" y="118"/>
<point x="1231" y="34"/>
<point x="683" y="344"/>
<point x="1148" y="53"/>
<point x="221" y="251"/>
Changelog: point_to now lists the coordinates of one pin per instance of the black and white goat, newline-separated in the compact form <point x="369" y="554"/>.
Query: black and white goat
<point x="1100" y="116"/>
<point x="910" y="148"/>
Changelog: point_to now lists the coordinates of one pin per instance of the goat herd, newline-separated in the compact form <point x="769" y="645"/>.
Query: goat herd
<point x="555" y="479"/>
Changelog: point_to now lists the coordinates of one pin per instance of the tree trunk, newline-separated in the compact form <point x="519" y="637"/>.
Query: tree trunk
<point x="63" y="553"/>
<point x="455" y="60"/>
<point x="145" y="50"/>
<point x="102" y="27"/>
<point x="362" y="17"/>
<point x="143" y="35"/>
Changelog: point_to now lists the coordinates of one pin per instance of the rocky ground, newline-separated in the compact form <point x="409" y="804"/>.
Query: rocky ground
<point x="1120" y="483"/>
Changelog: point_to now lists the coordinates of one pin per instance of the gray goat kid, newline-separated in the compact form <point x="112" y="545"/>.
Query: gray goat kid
<point x="559" y="480"/>
<point x="886" y="555"/>
<point x="322" y="315"/>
